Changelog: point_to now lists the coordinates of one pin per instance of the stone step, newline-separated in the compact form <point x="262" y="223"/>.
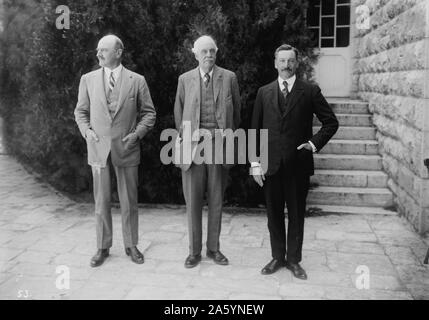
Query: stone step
<point x="350" y="120"/>
<point x="348" y="106"/>
<point x="350" y="178"/>
<point x="350" y="210"/>
<point x="343" y="196"/>
<point x="352" y="133"/>
<point x="368" y="147"/>
<point x="347" y="162"/>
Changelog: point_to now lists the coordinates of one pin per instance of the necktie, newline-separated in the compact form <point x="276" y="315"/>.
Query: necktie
<point x="111" y="82"/>
<point x="285" y="90"/>
<point x="206" y="79"/>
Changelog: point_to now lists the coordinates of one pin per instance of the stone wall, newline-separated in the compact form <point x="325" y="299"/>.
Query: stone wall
<point x="391" y="73"/>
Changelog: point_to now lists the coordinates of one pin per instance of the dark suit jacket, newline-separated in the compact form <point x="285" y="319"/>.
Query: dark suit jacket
<point x="286" y="131"/>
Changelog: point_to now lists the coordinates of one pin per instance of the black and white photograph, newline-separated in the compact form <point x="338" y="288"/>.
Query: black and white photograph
<point x="214" y="156"/>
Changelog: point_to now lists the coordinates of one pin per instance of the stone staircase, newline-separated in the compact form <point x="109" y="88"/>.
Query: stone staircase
<point x="349" y="177"/>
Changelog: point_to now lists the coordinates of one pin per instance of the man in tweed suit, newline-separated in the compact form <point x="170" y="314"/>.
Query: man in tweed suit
<point x="207" y="99"/>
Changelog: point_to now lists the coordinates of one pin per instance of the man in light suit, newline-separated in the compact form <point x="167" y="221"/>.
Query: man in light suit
<point x="285" y="107"/>
<point x="207" y="99"/>
<point x="114" y="111"/>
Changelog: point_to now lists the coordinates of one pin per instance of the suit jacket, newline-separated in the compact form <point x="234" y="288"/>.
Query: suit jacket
<point x="135" y="113"/>
<point x="188" y="103"/>
<point x="293" y="127"/>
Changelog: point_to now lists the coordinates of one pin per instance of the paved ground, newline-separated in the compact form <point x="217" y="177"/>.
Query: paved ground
<point x="40" y="231"/>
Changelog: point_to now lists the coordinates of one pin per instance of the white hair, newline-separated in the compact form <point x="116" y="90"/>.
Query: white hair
<point x="200" y="41"/>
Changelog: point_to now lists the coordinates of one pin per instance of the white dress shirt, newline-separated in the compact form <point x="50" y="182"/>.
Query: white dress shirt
<point x="290" y="83"/>
<point x="202" y="73"/>
<point x="116" y="72"/>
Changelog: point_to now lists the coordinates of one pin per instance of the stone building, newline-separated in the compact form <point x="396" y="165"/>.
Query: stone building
<point x="375" y="52"/>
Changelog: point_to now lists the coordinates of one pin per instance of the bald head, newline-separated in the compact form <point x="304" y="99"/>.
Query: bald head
<point x="112" y="40"/>
<point x="109" y="51"/>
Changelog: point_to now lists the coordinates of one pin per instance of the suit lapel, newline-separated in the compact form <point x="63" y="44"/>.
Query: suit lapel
<point x="295" y="94"/>
<point x="217" y="83"/>
<point x="100" y="91"/>
<point x="196" y="89"/>
<point x="273" y="96"/>
<point x="126" y="85"/>
<point x="196" y="99"/>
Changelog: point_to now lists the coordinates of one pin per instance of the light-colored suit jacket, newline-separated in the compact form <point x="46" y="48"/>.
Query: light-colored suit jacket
<point x="188" y="102"/>
<point x="135" y="113"/>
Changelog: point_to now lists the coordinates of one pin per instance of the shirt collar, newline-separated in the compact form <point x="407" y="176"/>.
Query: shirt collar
<point x="290" y="81"/>
<point x="115" y="71"/>
<point x="202" y="73"/>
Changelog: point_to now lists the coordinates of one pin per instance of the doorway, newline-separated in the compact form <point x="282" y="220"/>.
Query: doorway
<point x="329" y="23"/>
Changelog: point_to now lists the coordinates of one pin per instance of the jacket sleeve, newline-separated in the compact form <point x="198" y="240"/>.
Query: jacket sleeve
<point x="147" y="111"/>
<point x="178" y="104"/>
<point x="257" y="117"/>
<point x="81" y="112"/>
<point x="326" y="116"/>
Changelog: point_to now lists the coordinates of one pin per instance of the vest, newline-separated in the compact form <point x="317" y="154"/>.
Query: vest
<point x="287" y="136"/>
<point x="207" y="110"/>
<point x="282" y="101"/>
<point x="113" y="97"/>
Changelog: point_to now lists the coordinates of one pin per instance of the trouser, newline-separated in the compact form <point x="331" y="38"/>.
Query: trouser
<point x="198" y="179"/>
<point x="292" y="188"/>
<point x="127" y="181"/>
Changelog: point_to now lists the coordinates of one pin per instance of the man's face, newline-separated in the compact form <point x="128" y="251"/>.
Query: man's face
<point x="286" y="63"/>
<point x="206" y="55"/>
<point x="107" y="54"/>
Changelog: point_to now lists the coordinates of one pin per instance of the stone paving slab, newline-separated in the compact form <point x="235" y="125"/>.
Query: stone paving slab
<point x="42" y="232"/>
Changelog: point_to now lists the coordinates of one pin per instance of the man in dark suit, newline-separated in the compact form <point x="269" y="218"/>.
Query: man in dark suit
<point x="285" y="107"/>
<point x="208" y="101"/>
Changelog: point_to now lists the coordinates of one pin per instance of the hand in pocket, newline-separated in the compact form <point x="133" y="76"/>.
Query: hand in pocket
<point x="130" y="140"/>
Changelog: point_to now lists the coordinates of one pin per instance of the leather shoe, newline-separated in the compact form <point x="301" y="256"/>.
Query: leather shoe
<point x="297" y="270"/>
<point x="217" y="257"/>
<point x="99" y="257"/>
<point x="192" y="260"/>
<point x="273" y="266"/>
<point x="135" y="254"/>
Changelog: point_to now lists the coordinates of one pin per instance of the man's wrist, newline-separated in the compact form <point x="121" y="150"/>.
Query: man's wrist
<point x="312" y="146"/>
<point x="137" y="136"/>
<point x="255" y="169"/>
<point x="86" y="132"/>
